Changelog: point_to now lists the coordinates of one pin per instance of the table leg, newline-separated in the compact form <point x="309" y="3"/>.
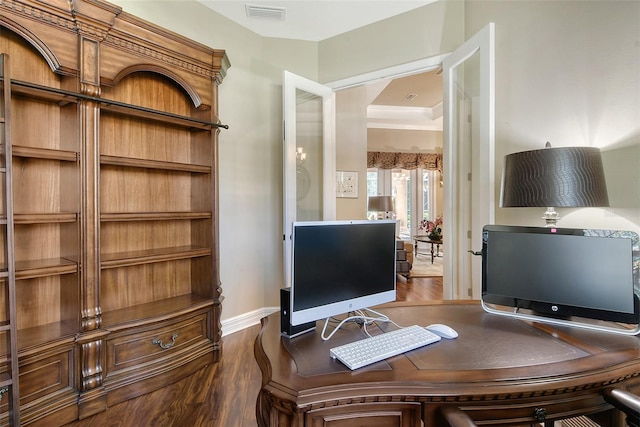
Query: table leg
<point x="431" y="252"/>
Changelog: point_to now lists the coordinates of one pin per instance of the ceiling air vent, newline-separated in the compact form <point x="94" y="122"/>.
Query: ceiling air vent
<point x="411" y="97"/>
<point x="268" y="12"/>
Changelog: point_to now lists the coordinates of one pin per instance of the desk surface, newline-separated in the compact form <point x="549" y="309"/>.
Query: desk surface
<point x="498" y="368"/>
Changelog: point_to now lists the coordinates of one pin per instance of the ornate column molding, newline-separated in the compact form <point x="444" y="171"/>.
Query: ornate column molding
<point x="92" y="355"/>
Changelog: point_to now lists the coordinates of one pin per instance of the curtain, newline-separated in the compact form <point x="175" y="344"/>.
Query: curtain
<point x="409" y="161"/>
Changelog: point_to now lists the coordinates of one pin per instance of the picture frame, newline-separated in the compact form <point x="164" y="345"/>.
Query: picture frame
<point x="346" y="184"/>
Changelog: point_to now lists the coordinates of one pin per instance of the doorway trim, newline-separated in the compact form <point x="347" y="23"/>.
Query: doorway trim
<point x="415" y="67"/>
<point x="395" y="72"/>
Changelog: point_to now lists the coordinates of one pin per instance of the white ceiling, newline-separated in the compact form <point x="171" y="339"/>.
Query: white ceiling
<point x="312" y="20"/>
<point x="391" y="106"/>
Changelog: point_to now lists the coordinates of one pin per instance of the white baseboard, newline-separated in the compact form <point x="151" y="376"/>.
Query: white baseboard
<point x="243" y="321"/>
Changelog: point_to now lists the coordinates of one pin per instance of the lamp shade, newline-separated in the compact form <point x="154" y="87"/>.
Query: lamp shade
<point x="380" y="204"/>
<point x="566" y="177"/>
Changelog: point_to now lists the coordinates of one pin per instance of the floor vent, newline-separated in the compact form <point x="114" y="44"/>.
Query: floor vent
<point x="268" y="12"/>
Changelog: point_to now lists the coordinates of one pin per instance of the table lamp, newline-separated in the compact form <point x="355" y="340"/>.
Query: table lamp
<point x="382" y="205"/>
<point x="565" y="177"/>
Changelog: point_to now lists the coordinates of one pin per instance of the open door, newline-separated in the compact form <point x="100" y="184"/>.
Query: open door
<point x="468" y="161"/>
<point x="309" y="156"/>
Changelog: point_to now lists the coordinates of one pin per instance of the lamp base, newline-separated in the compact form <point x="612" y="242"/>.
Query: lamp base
<point x="551" y="217"/>
<point x="384" y="215"/>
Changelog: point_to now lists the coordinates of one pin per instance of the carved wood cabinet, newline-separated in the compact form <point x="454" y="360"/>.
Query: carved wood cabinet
<point x="113" y="128"/>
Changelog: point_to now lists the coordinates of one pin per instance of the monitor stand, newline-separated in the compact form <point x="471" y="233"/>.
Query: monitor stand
<point x="594" y="325"/>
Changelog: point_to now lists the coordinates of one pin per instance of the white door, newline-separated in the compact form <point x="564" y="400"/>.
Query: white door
<point x="468" y="161"/>
<point x="309" y="156"/>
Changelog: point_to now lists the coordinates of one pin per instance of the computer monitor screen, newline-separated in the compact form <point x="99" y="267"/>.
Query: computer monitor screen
<point x="562" y="272"/>
<point x="341" y="266"/>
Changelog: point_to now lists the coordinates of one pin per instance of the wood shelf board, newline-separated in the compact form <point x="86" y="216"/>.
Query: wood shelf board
<point x="49" y="335"/>
<point x="152" y="216"/>
<point x="153" y="164"/>
<point x="32" y="90"/>
<point x="44" y="218"/>
<point x="125" y="259"/>
<point x="5" y="380"/>
<point x="63" y="97"/>
<point x="46" y="267"/>
<point x="45" y="153"/>
<point x="153" y="312"/>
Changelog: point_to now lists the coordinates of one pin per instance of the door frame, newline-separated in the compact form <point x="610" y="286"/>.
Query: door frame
<point x="461" y="270"/>
<point x="291" y="83"/>
<point x="487" y="159"/>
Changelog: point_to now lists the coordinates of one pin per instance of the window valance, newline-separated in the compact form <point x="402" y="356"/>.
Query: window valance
<point x="409" y="161"/>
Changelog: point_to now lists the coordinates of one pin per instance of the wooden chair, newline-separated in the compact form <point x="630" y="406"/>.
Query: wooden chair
<point x="622" y="400"/>
<point x="626" y="402"/>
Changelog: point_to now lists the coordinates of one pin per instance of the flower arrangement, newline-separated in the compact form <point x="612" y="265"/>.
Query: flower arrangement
<point x="431" y="228"/>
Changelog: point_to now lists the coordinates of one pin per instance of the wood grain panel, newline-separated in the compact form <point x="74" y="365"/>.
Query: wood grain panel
<point x="140" y="190"/>
<point x="137" y="138"/>
<point x="126" y="287"/>
<point x="144" y="235"/>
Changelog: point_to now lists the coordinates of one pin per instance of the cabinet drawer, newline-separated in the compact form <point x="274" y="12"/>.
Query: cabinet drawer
<point x="47" y="386"/>
<point x="139" y="346"/>
<point x="46" y="374"/>
<point x="370" y="415"/>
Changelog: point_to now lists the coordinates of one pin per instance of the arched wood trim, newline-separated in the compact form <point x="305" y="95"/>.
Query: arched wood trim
<point x="38" y="44"/>
<point x="193" y="94"/>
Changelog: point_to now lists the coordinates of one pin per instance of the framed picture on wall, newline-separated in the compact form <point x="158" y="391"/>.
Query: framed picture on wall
<point x="346" y="184"/>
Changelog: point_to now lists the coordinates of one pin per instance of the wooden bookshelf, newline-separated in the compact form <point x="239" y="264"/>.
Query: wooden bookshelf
<point x="114" y="179"/>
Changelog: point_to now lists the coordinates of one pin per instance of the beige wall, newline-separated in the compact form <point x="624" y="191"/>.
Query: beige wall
<point x="422" y="33"/>
<point x="566" y="71"/>
<point x="351" y="148"/>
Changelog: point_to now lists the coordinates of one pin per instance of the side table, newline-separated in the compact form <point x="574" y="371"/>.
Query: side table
<point x="425" y="239"/>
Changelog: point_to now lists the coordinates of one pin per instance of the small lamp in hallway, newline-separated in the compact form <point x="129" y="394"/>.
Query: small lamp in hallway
<point x="381" y="206"/>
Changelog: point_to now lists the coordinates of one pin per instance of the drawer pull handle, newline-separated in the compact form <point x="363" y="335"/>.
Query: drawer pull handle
<point x="165" y="346"/>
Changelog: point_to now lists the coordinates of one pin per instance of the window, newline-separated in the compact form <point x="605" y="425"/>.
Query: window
<point x="411" y="202"/>
<point x="372" y="182"/>
<point x="401" y="193"/>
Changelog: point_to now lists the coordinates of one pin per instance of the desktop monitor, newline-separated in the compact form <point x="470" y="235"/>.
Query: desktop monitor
<point x="562" y="275"/>
<point x="341" y="266"/>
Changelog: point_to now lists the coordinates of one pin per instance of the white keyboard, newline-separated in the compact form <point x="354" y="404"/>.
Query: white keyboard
<point x="374" y="349"/>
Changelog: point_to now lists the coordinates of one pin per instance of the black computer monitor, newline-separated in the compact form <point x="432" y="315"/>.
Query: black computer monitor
<point x="341" y="266"/>
<point x="560" y="273"/>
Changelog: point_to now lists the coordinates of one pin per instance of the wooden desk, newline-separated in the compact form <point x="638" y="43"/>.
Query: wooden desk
<point x="426" y="239"/>
<point x="498" y="368"/>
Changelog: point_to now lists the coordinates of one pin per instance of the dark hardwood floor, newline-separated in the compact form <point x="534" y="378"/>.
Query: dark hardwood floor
<point x="224" y="394"/>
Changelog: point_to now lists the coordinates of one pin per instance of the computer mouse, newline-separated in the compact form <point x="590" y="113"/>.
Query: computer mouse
<point x="443" y="330"/>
